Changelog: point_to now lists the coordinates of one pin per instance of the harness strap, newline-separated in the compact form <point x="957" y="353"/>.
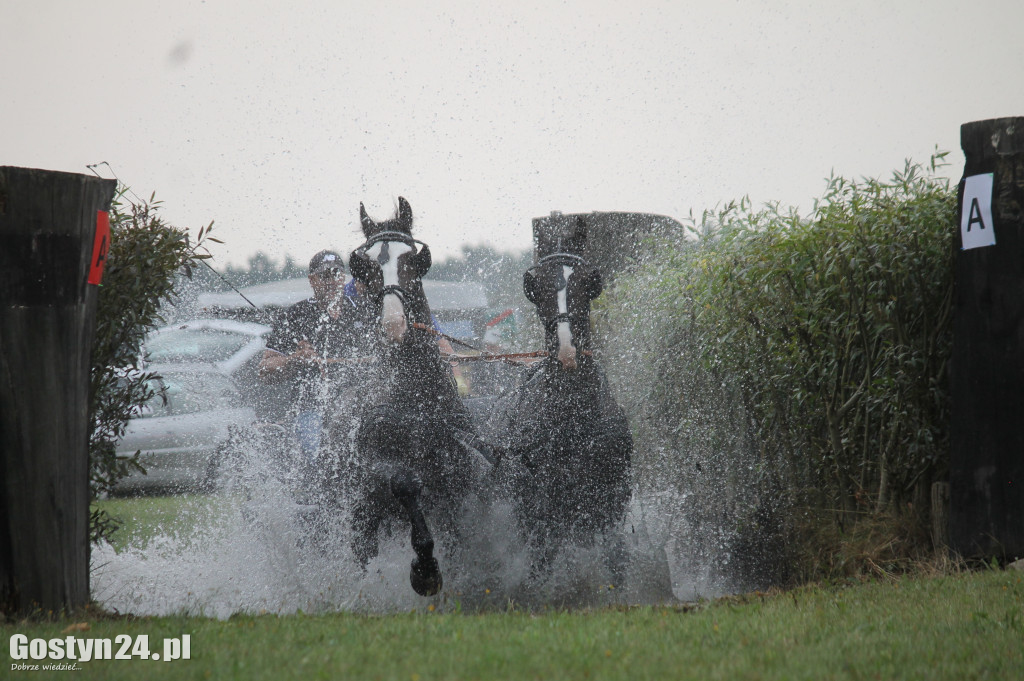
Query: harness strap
<point x="552" y="323"/>
<point x="396" y="290"/>
<point x="391" y="236"/>
<point x="561" y="257"/>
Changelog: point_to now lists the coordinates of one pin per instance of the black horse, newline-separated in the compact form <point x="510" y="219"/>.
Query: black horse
<point x="562" y="425"/>
<point x="412" y="458"/>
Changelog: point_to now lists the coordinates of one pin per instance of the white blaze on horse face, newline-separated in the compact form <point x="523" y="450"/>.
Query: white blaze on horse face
<point x="393" y="314"/>
<point x="566" y="349"/>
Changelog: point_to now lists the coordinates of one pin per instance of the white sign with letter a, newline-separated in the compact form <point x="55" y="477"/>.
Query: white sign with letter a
<point x="976" y="228"/>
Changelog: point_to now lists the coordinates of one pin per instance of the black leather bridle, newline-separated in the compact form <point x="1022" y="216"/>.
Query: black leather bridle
<point x="560" y="259"/>
<point x="393" y="289"/>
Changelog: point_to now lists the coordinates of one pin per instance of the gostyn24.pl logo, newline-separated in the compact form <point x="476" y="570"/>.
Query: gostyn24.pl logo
<point x="70" y="650"/>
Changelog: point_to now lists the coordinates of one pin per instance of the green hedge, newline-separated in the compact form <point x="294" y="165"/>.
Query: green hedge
<point x="775" y="363"/>
<point x="139" y="277"/>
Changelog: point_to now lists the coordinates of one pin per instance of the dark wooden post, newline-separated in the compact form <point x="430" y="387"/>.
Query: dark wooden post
<point x="616" y="242"/>
<point x="986" y="512"/>
<point x="48" y="228"/>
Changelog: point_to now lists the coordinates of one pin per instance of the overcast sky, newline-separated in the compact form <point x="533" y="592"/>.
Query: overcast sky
<point x="276" y="119"/>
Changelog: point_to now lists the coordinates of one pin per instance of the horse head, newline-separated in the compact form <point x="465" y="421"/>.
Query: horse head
<point x="562" y="285"/>
<point x="391" y="264"/>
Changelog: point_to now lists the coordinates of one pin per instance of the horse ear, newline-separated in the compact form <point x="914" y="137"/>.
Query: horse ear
<point x="530" y="285"/>
<point x="368" y="225"/>
<point x="593" y="284"/>
<point x="421" y="261"/>
<point x="405" y="214"/>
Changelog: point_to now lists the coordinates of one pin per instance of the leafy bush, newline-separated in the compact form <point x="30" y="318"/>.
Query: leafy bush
<point x="145" y="254"/>
<point x="783" y="363"/>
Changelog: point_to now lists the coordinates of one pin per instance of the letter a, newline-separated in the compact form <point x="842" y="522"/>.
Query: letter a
<point x="975" y="215"/>
<point x="977" y="211"/>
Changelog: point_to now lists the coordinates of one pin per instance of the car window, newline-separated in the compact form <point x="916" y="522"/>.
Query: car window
<point x="193" y="393"/>
<point x="184" y="345"/>
<point x="458" y="328"/>
<point x="156" y="405"/>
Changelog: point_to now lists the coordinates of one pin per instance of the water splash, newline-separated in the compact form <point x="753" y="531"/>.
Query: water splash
<point x="261" y="546"/>
<point x="259" y="552"/>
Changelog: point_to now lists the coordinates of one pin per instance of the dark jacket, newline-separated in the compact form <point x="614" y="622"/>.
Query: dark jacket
<point x="344" y="337"/>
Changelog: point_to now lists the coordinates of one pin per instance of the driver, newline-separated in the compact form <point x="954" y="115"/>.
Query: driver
<point x="306" y="342"/>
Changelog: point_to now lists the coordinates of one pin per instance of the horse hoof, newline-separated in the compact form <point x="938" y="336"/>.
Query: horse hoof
<point x="425" y="577"/>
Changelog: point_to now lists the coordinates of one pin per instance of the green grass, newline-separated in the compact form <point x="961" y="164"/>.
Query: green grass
<point x="967" y="626"/>
<point x="142" y="518"/>
<point x="962" y="626"/>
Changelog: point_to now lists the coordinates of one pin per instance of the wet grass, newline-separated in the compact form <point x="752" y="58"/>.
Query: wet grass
<point x="143" y="517"/>
<point x="968" y="625"/>
<point x="965" y="626"/>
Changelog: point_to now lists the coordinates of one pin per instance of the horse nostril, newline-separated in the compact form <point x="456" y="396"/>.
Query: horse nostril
<point x="395" y="330"/>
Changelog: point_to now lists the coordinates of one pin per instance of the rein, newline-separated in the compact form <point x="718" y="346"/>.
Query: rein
<point x="515" y="358"/>
<point x="450" y="339"/>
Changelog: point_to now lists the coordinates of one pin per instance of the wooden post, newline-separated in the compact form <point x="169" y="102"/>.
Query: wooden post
<point x="615" y="242"/>
<point x="48" y="225"/>
<point x="940" y="518"/>
<point x="986" y="513"/>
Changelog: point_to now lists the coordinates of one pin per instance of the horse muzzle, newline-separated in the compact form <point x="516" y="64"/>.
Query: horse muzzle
<point x="566" y="349"/>
<point x="567" y="357"/>
<point x="393" y="321"/>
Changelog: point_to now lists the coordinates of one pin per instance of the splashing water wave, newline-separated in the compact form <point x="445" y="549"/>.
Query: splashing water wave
<point x="264" y="548"/>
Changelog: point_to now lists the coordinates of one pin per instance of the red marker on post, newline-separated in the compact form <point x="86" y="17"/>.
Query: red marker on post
<point x="100" y="247"/>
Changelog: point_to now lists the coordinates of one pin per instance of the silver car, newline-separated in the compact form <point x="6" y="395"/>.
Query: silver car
<point x="179" y="430"/>
<point x="235" y="347"/>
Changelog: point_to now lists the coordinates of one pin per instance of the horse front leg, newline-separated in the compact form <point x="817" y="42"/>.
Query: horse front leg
<point x="366" y="520"/>
<point x="425" y="575"/>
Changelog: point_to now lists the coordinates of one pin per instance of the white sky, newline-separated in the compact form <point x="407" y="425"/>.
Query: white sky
<point x="276" y="119"/>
